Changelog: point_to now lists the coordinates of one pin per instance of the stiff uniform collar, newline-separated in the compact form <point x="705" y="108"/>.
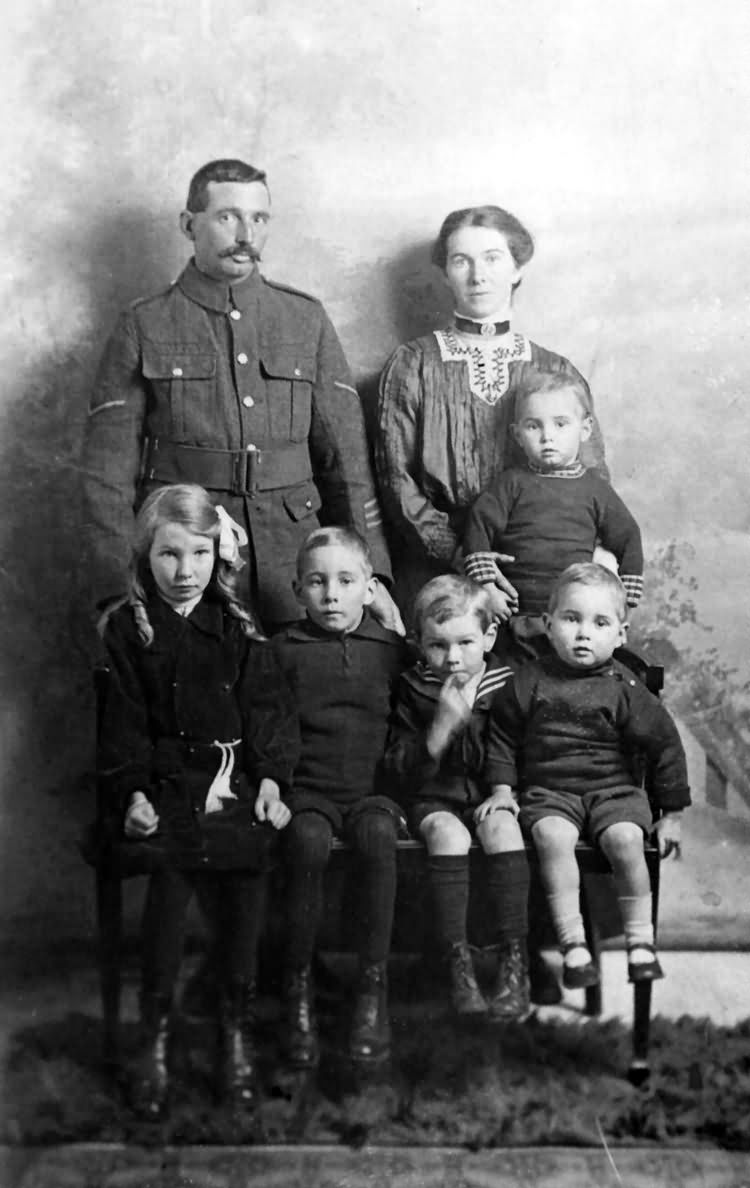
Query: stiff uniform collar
<point x="219" y="296"/>
<point x="487" y="329"/>
<point x="305" y="631"/>
<point x="572" y="470"/>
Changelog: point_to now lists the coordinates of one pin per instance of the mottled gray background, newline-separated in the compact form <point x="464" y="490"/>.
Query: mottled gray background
<point x="617" y="132"/>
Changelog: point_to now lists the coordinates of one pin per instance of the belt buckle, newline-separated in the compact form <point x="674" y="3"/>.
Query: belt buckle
<point x="245" y="480"/>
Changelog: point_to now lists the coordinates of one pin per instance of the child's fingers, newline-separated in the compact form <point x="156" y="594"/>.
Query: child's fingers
<point x="281" y="816"/>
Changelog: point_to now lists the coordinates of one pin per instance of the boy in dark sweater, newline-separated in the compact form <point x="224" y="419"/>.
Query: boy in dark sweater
<point x="550" y="514"/>
<point x="437" y="750"/>
<point x="342" y="666"/>
<point x="567" y="734"/>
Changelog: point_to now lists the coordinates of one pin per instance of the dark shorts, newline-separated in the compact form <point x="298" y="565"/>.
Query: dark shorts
<point x="422" y="808"/>
<point x="591" y="813"/>
<point x="342" y="816"/>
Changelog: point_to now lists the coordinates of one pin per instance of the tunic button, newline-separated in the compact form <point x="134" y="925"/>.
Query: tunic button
<point x="242" y="357"/>
<point x="308" y="503"/>
<point x="248" y="401"/>
<point x="297" y="372"/>
<point x="177" y="372"/>
<point x="235" y="315"/>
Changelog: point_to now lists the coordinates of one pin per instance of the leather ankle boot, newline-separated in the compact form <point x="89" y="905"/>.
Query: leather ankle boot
<point x="238" y="1059"/>
<point x="466" y="996"/>
<point x="370" y="1033"/>
<point x="544" y="987"/>
<point x="149" y="1081"/>
<point x="301" y="1033"/>
<point x="509" y="998"/>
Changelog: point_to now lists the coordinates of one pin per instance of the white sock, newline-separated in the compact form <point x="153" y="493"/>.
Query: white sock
<point x="639" y="930"/>
<point x="566" y="916"/>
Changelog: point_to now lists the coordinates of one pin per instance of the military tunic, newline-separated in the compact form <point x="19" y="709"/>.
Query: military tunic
<point x="245" y="390"/>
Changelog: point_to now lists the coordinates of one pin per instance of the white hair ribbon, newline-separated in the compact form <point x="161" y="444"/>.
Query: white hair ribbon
<point x="232" y="537"/>
<point x="220" y="789"/>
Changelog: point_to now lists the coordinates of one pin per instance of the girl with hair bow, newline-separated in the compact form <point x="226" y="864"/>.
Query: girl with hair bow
<point x="197" y="740"/>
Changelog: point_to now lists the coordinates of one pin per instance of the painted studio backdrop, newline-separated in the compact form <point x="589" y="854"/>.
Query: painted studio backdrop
<point x="618" y="133"/>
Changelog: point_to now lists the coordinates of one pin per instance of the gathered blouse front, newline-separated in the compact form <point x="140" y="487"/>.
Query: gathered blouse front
<point x="446" y="407"/>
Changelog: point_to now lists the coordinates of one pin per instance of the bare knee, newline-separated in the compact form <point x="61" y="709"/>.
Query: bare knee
<point x="554" y="836"/>
<point x="443" y="833"/>
<point x="622" y="843"/>
<point x="499" y="833"/>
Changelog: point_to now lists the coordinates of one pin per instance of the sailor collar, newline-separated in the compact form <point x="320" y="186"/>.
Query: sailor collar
<point x="494" y="677"/>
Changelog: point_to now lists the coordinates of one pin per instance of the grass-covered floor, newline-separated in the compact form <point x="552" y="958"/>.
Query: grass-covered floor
<point x="477" y="1086"/>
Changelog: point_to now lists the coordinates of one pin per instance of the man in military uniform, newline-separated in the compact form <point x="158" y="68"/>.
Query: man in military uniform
<point x="239" y="384"/>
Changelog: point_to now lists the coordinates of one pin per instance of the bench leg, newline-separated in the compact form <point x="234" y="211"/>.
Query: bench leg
<point x="640" y="1070"/>
<point x="593" y="999"/>
<point x="109" y="925"/>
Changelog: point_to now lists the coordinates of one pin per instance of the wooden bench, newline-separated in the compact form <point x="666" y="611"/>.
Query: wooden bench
<point x="413" y="921"/>
<point x="413" y="914"/>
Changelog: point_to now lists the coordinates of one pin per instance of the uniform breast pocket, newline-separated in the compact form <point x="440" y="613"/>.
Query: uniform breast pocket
<point x="289" y="380"/>
<point x="183" y="382"/>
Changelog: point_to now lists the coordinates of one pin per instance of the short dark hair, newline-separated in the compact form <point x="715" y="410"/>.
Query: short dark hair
<point x="343" y="536"/>
<point x="225" y="170"/>
<point x="520" y="243"/>
<point x="552" y="381"/>
<point x="589" y="573"/>
<point x="448" y="597"/>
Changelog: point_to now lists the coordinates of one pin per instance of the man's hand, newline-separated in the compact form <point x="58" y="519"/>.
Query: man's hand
<point x="500" y="800"/>
<point x="668" y="830"/>
<point x="269" y="806"/>
<point x="140" y="819"/>
<point x="385" y="610"/>
<point x="452" y="713"/>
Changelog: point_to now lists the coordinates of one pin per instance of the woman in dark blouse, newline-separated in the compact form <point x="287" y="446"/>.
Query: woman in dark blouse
<point x="447" y="399"/>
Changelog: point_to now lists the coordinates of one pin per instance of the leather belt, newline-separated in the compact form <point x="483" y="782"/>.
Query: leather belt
<point x="241" y="472"/>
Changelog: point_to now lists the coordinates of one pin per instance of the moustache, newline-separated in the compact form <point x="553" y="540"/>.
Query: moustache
<point x="245" y="248"/>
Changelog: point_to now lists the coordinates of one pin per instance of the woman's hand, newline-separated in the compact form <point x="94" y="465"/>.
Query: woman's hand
<point x="385" y="610"/>
<point x="269" y="806"/>
<point x="141" y="819"/>
<point x="502" y="606"/>
<point x="452" y="713"/>
<point x="502" y="581"/>
<point x="500" y="800"/>
<point x="668" y="830"/>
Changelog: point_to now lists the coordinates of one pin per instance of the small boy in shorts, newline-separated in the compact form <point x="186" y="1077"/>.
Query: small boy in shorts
<point x="567" y="734"/>
<point x="342" y="666"/>
<point x="437" y="749"/>
<point x="549" y="514"/>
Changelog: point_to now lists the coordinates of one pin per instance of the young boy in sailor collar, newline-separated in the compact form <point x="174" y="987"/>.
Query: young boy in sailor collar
<point x="549" y="514"/>
<point x="436" y="748"/>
